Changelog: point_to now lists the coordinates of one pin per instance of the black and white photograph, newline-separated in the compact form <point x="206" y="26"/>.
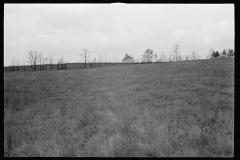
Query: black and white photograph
<point x="119" y="79"/>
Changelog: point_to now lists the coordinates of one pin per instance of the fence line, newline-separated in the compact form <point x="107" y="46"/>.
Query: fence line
<point x="70" y="66"/>
<point x="54" y="67"/>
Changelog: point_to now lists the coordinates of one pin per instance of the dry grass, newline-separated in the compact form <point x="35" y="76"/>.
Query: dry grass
<point x="182" y="109"/>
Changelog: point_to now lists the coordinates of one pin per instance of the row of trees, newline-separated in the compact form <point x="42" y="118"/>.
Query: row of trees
<point x="37" y="61"/>
<point x="36" y="58"/>
<point x="224" y="54"/>
<point x="149" y="56"/>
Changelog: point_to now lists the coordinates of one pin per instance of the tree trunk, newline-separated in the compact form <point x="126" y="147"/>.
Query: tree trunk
<point x="85" y="61"/>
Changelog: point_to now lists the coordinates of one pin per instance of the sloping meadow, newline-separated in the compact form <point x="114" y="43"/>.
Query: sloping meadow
<point x="182" y="109"/>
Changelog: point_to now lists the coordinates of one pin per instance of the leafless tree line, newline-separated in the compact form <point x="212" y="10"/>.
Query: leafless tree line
<point x="35" y="59"/>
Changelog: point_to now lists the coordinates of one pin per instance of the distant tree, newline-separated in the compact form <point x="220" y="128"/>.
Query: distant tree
<point x="159" y="59"/>
<point x="176" y="50"/>
<point x="23" y="63"/>
<point x="17" y="62"/>
<point x="170" y="56"/>
<point x="215" y="54"/>
<point x="163" y="57"/>
<point x="179" y="57"/>
<point x="155" y="57"/>
<point x="230" y="53"/>
<point x="197" y="56"/>
<point x="33" y="58"/>
<point x="209" y="55"/>
<point x="148" y="56"/>
<point x="105" y="59"/>
<point x="45" y="61"/>
<point x="100" y="58"/>
<point x="51" y="60"/>
<point x="13" y="64"/>
<point x="193" y="55"/>
<point x="187" y="58"/>
<point x="40" y="62"/>
<point x="61" y="63"/>
<point x="224" y="53"/>
<point x="84" y="54"/>
<point x="128" y="59"/>
<point x="94" y="61"/>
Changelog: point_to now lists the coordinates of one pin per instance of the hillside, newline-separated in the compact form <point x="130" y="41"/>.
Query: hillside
<point x="163" y="110"/>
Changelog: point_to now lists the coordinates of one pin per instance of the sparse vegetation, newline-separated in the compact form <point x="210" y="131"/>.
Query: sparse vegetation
<point x="153" y="110"/>
<point x="149" y="56"/>
<point x="128" y="59"/>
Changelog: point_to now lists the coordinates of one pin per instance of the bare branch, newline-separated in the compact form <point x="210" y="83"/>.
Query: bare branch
<point x="81" y="55"/>
<point x="51" y="59"/>
<point x="85" y="50"/>
<point x="84" y="55"/>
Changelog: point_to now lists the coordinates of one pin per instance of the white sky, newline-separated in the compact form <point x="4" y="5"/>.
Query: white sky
<point x="112" y="30"/>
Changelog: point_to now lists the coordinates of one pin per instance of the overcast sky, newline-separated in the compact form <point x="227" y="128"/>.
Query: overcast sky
<point x="112" y="30"/>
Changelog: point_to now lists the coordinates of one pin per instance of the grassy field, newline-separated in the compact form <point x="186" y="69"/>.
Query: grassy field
<point x="154" y="110"/>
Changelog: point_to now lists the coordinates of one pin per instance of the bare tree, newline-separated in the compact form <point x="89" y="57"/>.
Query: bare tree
<point x="45" y="60"/>
<point x="163" y="57"/>
<point x="99" y="59"/>
<point x="33" y="58"/>
<point x="179" y="57"/>
<point x="176" y="51"/>
<point x="197" y="56"/>
<point x="61" y="63"/>
<point x="51" y="60"/>
<point x="13" y="64"/>
<point x="23" y="63"/>
<point x="17" y="62"/>
<point x="105" y="59"/>
<point x="84" y="54"/>
<point x="187" y="58"/>
<point x="170" y="56"/>
<point x="40" y="62"/>
<point x="193" y="55"/>
<point x="159" y="59"/>
<point x="155" y="57"/>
